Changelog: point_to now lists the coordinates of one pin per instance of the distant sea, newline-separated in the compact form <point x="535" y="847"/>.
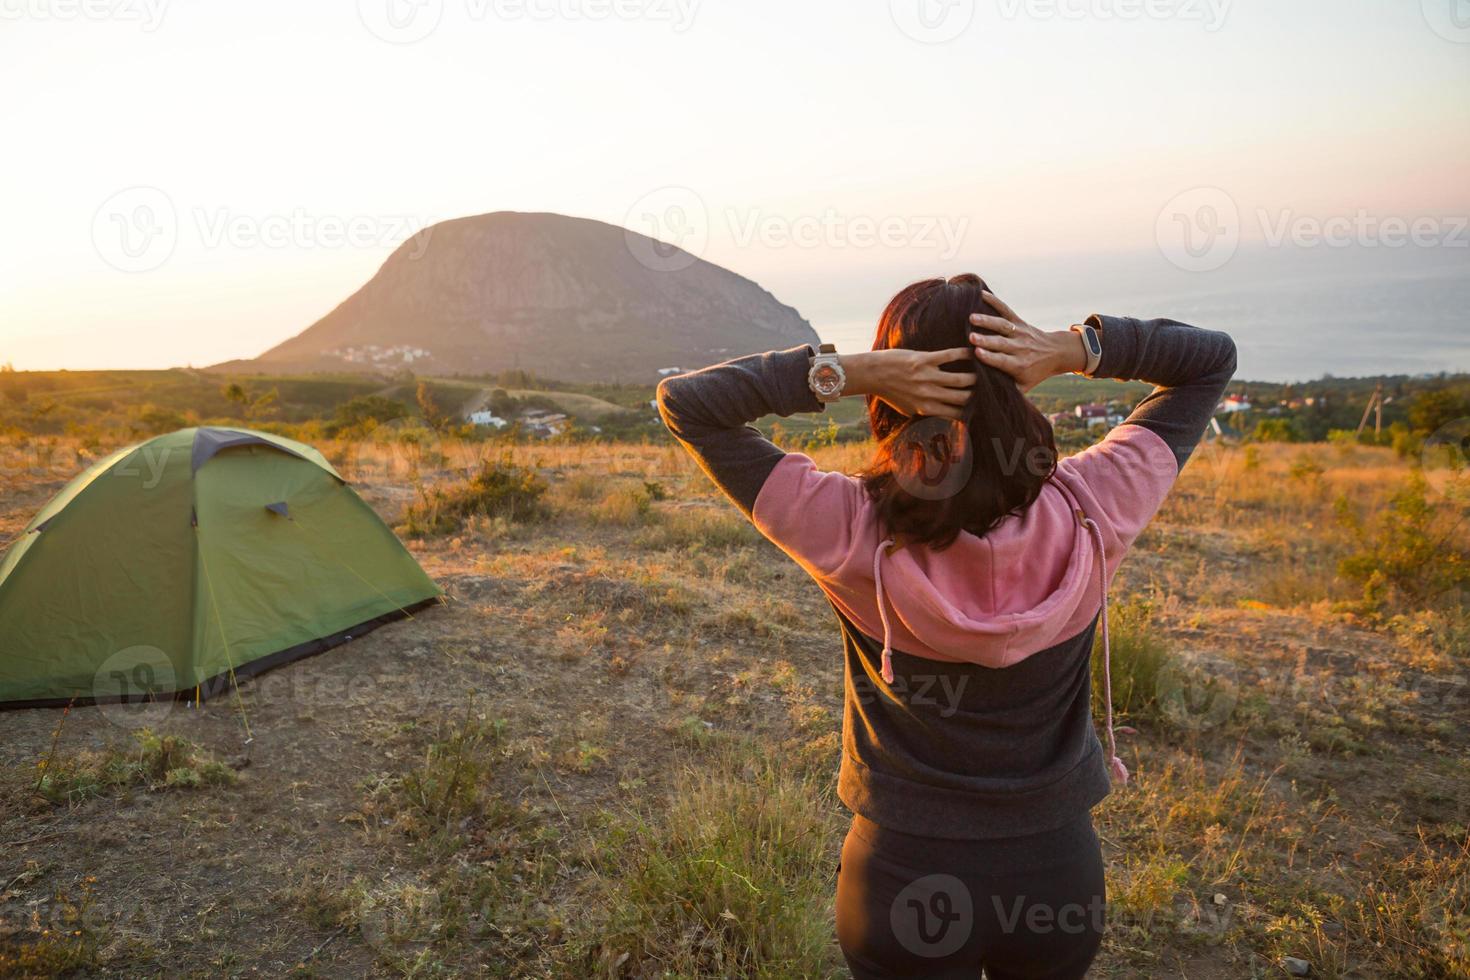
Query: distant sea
<point x="1296" y="314"/>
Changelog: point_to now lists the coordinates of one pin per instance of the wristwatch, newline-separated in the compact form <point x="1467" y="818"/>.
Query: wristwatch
<point x="1091" y="344"/>
<point x="826" y="377"/>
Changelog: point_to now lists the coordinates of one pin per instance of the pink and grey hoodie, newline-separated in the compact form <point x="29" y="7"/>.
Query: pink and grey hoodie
<point x="968" y="671"/>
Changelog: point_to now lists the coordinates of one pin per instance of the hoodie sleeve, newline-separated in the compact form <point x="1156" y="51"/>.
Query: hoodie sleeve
<point x="710" y="412"/>
<point x="1130" y="472"/>
<point x="1189" y="366"/>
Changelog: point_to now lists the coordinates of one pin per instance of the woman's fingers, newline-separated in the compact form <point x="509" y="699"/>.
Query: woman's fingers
<point x="952" y="379"/>
<point x="948" y="356"/>
<point x="994" y="324"/>
<point x="1000" y="361"/>
<point x="991" y="342"/>
<point x="952" y="396"/>
<point x="1000" y="306"/>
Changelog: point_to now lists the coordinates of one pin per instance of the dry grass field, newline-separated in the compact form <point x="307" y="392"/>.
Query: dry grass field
<point x="612" y="751"/>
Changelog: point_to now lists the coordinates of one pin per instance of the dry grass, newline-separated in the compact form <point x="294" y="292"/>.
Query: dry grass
<point x="568" y="770"/>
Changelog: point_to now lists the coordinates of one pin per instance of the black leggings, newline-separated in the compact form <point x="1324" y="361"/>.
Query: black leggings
<point x="1019" y="907"/>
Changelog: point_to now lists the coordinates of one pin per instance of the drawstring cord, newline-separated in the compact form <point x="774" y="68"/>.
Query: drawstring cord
<point x="883" y="610"/>
<point x="1116" y="766"/>
<point x="1120" y="771"/>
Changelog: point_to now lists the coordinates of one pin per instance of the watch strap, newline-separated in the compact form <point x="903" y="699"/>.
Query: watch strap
<point x="1091" y="347"/>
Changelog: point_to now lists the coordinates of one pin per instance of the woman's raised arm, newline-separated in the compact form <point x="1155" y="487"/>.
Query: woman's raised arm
<point x="710" y="411"/>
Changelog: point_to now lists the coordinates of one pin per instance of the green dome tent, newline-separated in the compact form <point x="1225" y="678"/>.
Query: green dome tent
<point x="177" y="564"/>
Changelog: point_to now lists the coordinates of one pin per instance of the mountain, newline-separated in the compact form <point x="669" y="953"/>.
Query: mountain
<point x="559" y="297"/>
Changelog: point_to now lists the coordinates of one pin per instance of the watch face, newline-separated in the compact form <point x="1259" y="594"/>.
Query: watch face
<point x="826" y="379"/>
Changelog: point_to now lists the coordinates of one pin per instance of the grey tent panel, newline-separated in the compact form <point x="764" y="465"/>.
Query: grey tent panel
<point x="209" y="442"/>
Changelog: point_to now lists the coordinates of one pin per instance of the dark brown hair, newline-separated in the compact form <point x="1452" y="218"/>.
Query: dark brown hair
<point x="932" y="478"/>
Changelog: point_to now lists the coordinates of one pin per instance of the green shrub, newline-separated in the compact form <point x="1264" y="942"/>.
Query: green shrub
<point x="361" y="415"/>
<point x="1414" y="556"/>
<point x="1305" y="468"/>
<point x="1275" y="430"/>
<point x="1406" y="443"/>
<point x="500" y="489"/>
<point x="1139" y="658"/>
<point x="446" y="787"/>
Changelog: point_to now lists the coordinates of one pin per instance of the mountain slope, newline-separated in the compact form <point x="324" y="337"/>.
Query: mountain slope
<point x="559" y="297"/>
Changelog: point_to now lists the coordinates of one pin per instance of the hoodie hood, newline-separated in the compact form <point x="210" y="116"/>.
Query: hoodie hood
<point x="992" y="600"/>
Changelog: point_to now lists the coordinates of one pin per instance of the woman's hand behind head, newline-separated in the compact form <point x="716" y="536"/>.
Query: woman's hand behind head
<point x="914" y="382"/>
<point x="1010" y="344"/>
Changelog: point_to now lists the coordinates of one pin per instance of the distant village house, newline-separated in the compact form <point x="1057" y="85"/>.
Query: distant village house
<point x="1235" y="403"/>
<point x="488" y="418"/>
<point x="1095" y="414"/>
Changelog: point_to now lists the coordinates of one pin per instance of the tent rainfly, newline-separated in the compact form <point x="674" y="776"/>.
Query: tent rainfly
<point x="176" y="565"/>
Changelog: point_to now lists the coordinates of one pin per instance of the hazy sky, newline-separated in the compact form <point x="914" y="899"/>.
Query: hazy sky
<point x="186" y="181"/>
